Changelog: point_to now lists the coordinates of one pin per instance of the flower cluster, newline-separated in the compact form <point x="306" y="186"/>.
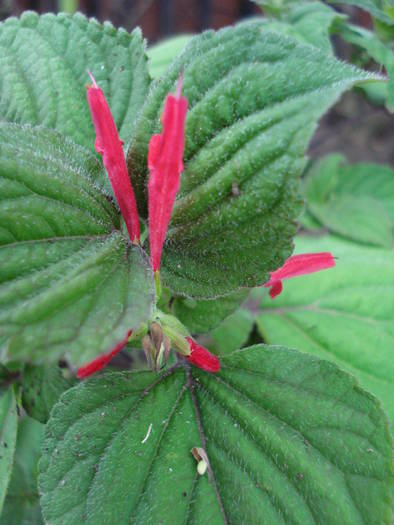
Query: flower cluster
<point x="165" y="163"/>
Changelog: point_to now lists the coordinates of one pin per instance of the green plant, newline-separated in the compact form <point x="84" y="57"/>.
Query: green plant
<point x="214" y="151"/>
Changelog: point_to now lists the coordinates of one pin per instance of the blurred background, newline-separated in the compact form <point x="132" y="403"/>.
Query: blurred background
<point x="157" y="18"/>
<point x="355" y="127"/>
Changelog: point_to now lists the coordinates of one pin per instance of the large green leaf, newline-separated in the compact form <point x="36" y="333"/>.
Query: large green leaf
<point x="8" y="427"/>
<point x="355" y="201"/>
<point x="344" y="314"/>
<point x="204" y="315"/>
<point x="289" y="438"/>
<point x="69" y="281"/>
<point x="43" y="64"/>
<point x="162" y="54"/>
<point x="254" y="101"/>
<point x="41" y="388"/>
<point x="21" y="505"/>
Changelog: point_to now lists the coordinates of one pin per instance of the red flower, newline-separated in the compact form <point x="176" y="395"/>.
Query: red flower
<point x="201" y="357"/>
<point x="298" y="265"/>
<point x="165" y="164"/>
<point x="109" y="145"/>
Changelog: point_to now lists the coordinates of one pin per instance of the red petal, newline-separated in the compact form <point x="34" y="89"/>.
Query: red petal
<point x="102" y="360"/>
<point x="299" y="265"/>
<point x="165" y="165"/>
<point x="109" y="145"/>
<point x="202" y="357"/>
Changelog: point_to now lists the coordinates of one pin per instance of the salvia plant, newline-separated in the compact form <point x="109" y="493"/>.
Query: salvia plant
<point x="151" y="200"/>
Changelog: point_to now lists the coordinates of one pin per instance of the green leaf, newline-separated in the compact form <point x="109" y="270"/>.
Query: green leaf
<point x="70" y="283"/>
<point x="355" y="201"/>
<point x="308" y="22"/>
<point x="376" y="49"/>
<point x="289" y="438"/>
<point x="204" y="315"/>
<point x="41" y="388"/>
<point x="377" y="8"/>
<point x="343" y="314"/>
<point x="233" y="331"/>
<point x="162" y="54"/>
<point x="43" y="71"/>
<point x="8" y="427"/>
<point x="22" y="506"/>
<point x="252" y="111"/>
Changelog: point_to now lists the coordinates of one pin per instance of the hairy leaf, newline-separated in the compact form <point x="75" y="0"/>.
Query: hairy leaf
<point x="8" y="427"/>
<point x="288" y="438"/>
<point x="254" y="101"/>
<point x="344" y="315"/>
<point x="21" y="505"/>
<point x="43" y="72"/>
<point x="355" y="201"/>
<point x="41" y="388"/>
<point x="70" y="283"/>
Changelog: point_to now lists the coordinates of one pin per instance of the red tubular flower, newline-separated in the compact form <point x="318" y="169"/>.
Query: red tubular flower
<point x="298" y="265"/>
<point x="102" y="360"/>
<point x="109" y="145"/>
<point x="201" y="357"/>
<point x="165" y="165"/>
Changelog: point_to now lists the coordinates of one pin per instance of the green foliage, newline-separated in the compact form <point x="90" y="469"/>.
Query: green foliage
<point x="286" y="436"/>
<point x="162" y="54"/>
<point x="204" y="315"/>
<point x="344" y="314"/>
<point x="43" y="70"/>
<point x="22" y="505"/>
<point x="252" y="111"/>
<point x="41" y="389"/>
<point x="381" y="53"/>
<point x="69" y="282"/>
<point x="354" y="201"/>
<point x="8" y="427"/>
<point x="380" y="9"/>
<point x="308" y="22"/>
<point x="233" y="331"/>
<point x="289" y="439"/>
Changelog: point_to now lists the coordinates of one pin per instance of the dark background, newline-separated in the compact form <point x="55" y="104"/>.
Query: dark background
<point x="360" y="130"/>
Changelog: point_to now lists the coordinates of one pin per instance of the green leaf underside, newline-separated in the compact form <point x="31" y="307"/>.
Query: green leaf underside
<point x="354" y="201"/>
<point x="162" y="54"/>
<point x="204" y="315"/>
<point x="41" y="388"/>
<point x="8" y="427"/>
<point x="290" y="439"/>
<point x="343" y="314"/>
<point x="69" y="281"/>
<point x="374" y="7"/>
<point x="43" y="71"/>
<point x="22" y="506"/>
<point x="252" y="111"/>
